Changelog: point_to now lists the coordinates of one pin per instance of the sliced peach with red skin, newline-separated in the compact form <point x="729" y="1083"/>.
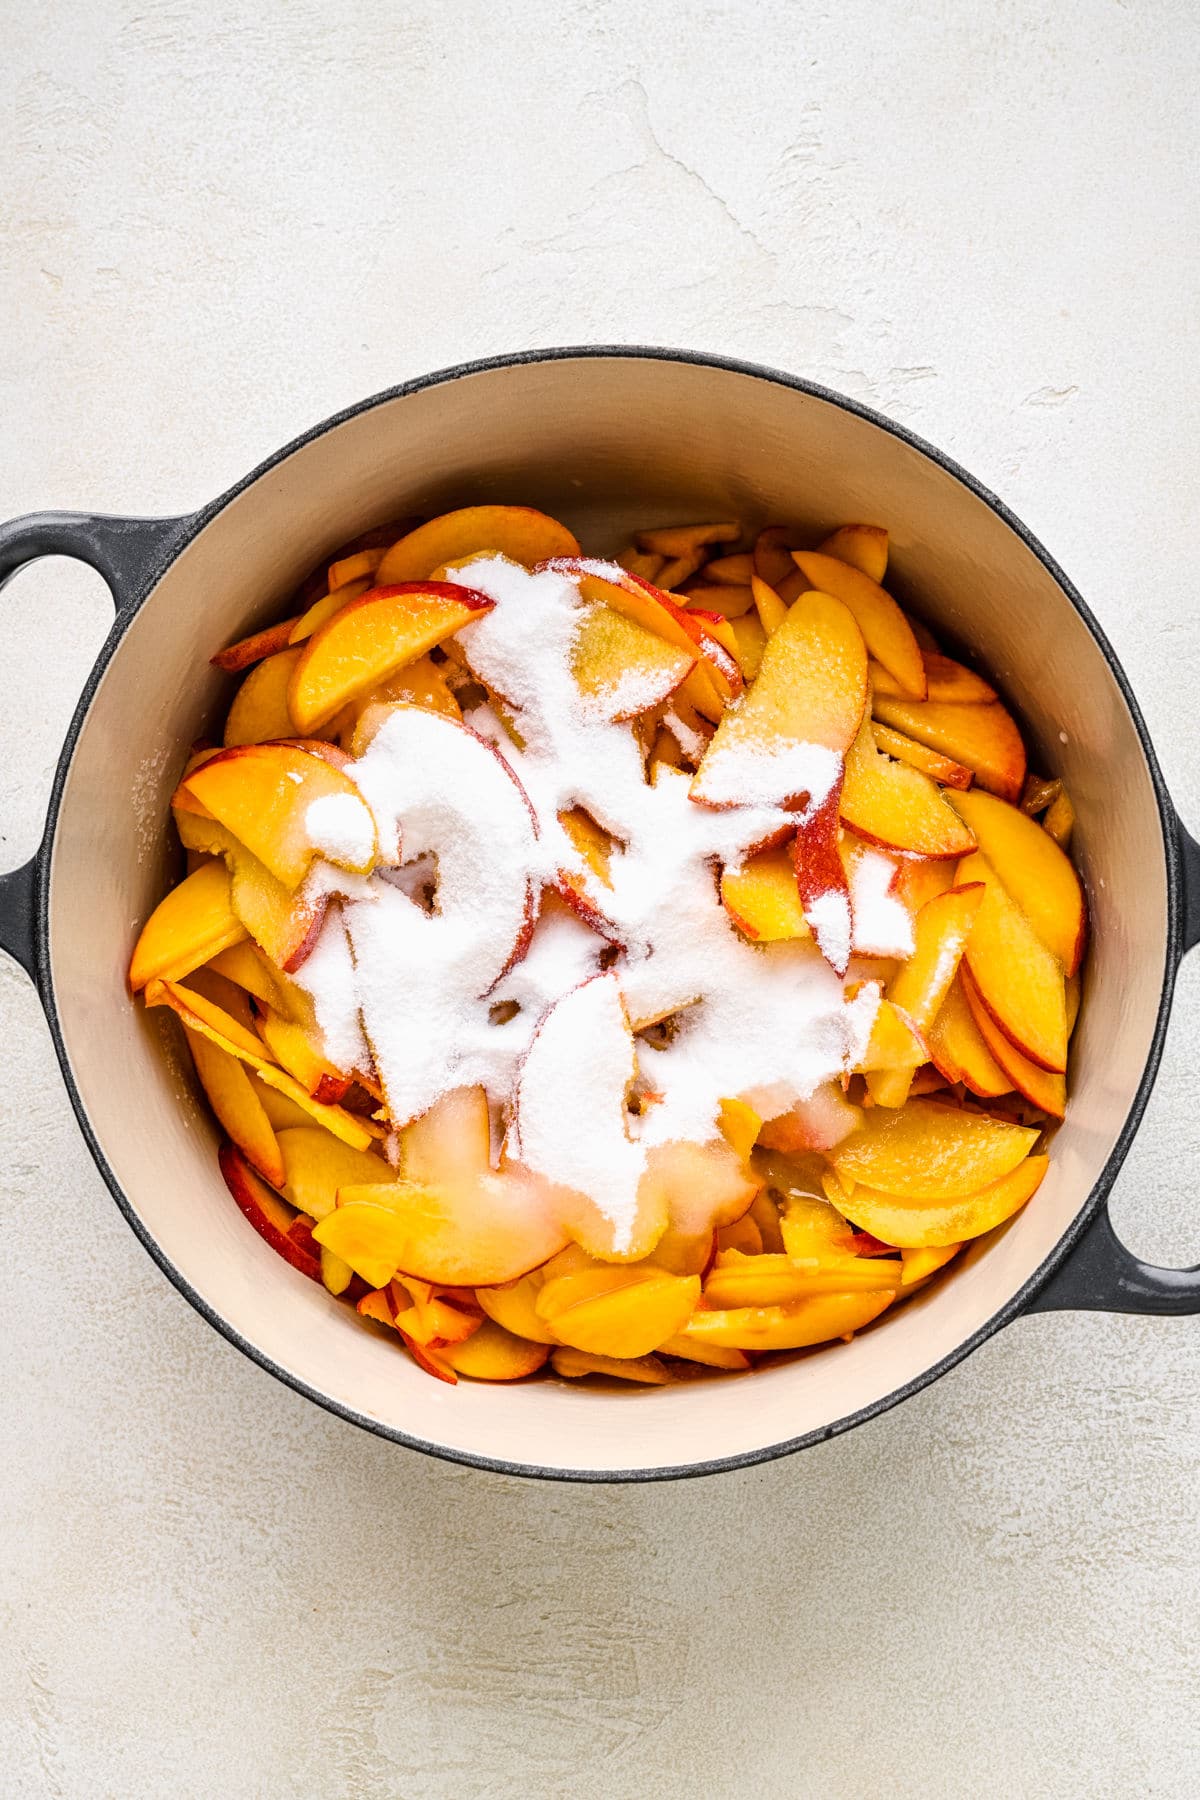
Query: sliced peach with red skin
<point x="984" y="739"/>
<point x="920" y="1225"/>
<point x="939" y="768"/>
<point x="822" y="883"/>
<point x="227" y="1033"/>
<point x="864" y="547"/>
<point x="493" y="1354"/>
<point x="284" y="925"/>
<point x="941" y="932"/>
<point x="288" y="1233"/>
<point x="252" y="649"/>
<point x="315" y="1164"/>
<point x="1019" y="981"/>
<point x="1037" y="874"/>
<point x="895" y="1042"/>
<point x="1039" y="1086"/>
<point x="927" y="1151"/>
<point x="960" y="1050"/>
<point x="762" y="897"/>
<point x="418" y="684"/>
<point x="234" y="1098"/>
<point x="372" y="637"/>
<point x="520" y="533"/>
<point x="800" y="716"/>
<point x="267" y="795"/>
<point x="794" y="1327"/>
<point x="891" y="804"/>
<point x="188" y="927"/>
<point x="292" y="1046"/>
<point x="618" y="1311"/>
<point x="887" y="633"/>
<point x="623" y="669"/>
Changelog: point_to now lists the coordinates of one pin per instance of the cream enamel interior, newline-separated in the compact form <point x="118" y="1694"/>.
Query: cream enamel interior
<point x="605" y="443"/>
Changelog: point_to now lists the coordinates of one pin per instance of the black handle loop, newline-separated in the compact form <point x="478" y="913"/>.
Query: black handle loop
<point x="1101" y="1275"/>
<point x="130" y="554"/>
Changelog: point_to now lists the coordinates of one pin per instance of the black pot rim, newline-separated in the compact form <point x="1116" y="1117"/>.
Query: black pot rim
<point x="1012" y="1308"/>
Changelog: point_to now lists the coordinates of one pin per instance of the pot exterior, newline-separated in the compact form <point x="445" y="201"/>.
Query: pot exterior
<point x="588" y="437"/>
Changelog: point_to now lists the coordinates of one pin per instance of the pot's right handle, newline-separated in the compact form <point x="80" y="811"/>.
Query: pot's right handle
<point x="1100" y="1274"/>
<point x="130" y="554"/>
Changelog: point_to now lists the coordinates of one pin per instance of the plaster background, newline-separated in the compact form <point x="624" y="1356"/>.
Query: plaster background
<point x="219" y="223"/>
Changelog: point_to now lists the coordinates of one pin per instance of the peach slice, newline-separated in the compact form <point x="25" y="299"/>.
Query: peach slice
<point x="713" y="1356"/>
<point x="864" y="547"/>
<point x="772" y="611"/>
<point x="941" y="932"/>
<point x="960" y="1050"/>
<point x="916" y="1226"/>
<point x="891" y="804"/>
<point x="234" y="1098"/>
<point x="813" y="1229"/>
<point x="730" y="571"/>
<point x="287" y="807"/>
<point x="702" y="1186"/>
<point x="727" y="601"/>
<point x="780" y="1281"/>
<point x="287" y="1233"/>
<point x="716" y="678"/>
<point x="1039" y="1086"/>
<point x="493" y="1354"/>
<point x="919" y="756"/>
<point x="573" y="1365"/>
<point x="895" y="1043"/>
<point x="514" y="1306"/>
<point x="751" y="641"/>
<point x="188" y="927"/>
<point x="519" y="532"/>
<point x="1060" y="819"/>
<point x="437" y="1316"/>
<point x="623" y="669"/>
<point x="283" y="1113"/>
<point x="467" y="1238"/>
<point x="919" y="879"/>
<point x="246" y="966"/>
<point x="292" y="1046"/>
<point x="817" y="1123"/>
<point x="983" y="738"/>
<point x="762" y="897"/>
<point x="315" y="1165"/>
<point x="326" y="608"/>
<point x="945" y="680"/>
<point x="740" y="1126"/>
<point x="450" y="1145"/>
<point x="252" y="649"/>
<point x="222" y="1029"/>
<point x="260" y="709"/>
<point x="774" y="566"/>
<point x="793" y="1327"/>
<point x="622" y="1312"/>
<point x="1019" y="981"/>
<point x="283" y="925"/>
<point x="336" y="1275"/>
<point x="887" y="633"/>
<point x="1033" y="869"/>
<point x="927" y="1151"/>
<point x="798" y="719"/>
<point x="372" y="637"/>
<point x="642" y="562"/>
<point x="822" y="882"/>
<point x="919" y="1265"/>
<point x="684" y="540"/>
<point x="356" y="566"/>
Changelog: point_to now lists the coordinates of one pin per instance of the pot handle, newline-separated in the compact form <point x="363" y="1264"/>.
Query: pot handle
<point x="130" y="554"/>
<point x="1100" y="1274"/>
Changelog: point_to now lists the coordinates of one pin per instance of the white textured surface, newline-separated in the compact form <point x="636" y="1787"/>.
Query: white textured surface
<point x="221" y="222"/>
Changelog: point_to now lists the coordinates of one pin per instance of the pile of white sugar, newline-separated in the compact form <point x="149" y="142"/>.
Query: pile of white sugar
<point x="452" y="993"/>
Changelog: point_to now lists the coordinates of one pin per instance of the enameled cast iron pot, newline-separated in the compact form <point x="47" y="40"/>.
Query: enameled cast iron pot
<point x="607" y="439"/>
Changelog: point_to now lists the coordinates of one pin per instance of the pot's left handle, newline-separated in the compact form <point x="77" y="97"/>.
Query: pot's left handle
<point x="130" y="554"/>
